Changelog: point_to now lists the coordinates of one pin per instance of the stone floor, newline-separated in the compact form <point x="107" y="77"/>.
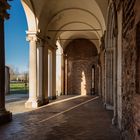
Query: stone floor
<point x="80" y="118"/>
<point x="15" y="103"/>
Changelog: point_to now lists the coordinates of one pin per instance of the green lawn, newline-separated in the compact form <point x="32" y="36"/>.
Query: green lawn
<point x="18" y="86"/>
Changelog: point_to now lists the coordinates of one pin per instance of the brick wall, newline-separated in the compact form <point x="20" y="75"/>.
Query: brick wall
<point x="81" y="55"/>
<point x="130" y="99"/>
<point x="136" y="101"/>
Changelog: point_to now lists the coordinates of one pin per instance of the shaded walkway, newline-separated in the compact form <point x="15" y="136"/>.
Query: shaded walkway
<point x="82" y="118"/>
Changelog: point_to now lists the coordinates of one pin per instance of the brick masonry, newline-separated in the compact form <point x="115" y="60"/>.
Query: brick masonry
<point x="130" y="97"/>
<point x="82" y="55"/>
<point x="136" y="99"/>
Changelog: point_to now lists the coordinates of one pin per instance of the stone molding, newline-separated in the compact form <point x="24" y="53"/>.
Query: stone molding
<point x="109" y="49"/>
<point x="32" y="36"/>
<point x="50" y="46"/>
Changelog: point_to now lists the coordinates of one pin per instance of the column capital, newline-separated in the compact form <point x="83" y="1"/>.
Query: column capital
<point x="32" y="36"/>
<point x="109" y="49"/>
<point x="3" y="9"/>
<point x="50" y="46"/>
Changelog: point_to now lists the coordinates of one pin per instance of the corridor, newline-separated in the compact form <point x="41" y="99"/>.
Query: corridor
<point x="76" y="47"/>
<point x="71" y="118"/>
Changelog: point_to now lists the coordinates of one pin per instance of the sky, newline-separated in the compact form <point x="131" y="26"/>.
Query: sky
<point x="16" y="46"/>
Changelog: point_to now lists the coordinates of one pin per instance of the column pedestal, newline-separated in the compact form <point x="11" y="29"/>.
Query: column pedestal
<point x="115" y="120"/>
<point x="31" y="103"/>
<point x="5" y="116"/>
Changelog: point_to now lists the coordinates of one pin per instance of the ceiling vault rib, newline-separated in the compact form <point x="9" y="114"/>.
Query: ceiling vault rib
<point x="74" y="8"/>
<point x="90" y="27"/>
<point x="77" y="39"/>
<point x="74" y="30"/>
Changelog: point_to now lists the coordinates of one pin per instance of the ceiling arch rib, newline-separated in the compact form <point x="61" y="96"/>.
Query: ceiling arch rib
<point x="46" y="14"/>
<point x="63" y="18"/>
<point x="32" y="20"/>
<point x="53" y="8"/>
<point x="66" y="36"/>
<point x="86" y="35"/>
<point x="84" y="17"/>
<point x="71" y="12"/>
<point x="74" y="25"/>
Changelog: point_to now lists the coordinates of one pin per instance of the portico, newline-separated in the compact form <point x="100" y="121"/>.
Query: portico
<point x="82" y="47"/>
<point x="5" y="116"/>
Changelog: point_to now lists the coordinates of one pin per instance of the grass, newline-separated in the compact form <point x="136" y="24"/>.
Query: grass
<point x="18" y="86"/>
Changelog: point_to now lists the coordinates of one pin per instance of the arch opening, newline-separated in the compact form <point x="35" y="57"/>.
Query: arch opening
<point x="78" y="68"/>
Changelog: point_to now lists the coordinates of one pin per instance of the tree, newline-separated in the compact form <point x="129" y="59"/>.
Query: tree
<point x="13" y="73"/>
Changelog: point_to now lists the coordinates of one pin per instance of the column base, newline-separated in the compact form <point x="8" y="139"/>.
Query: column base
<point x="5" y="116"/>
<point x="114" y="120"/>
<point x="36" y="103"/>
<point x="44" y="102"/>
<point x="52" y="97"/>
<point x="108" y="106"/>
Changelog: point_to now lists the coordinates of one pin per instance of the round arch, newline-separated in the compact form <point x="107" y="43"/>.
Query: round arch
<point x="32" y="20"/>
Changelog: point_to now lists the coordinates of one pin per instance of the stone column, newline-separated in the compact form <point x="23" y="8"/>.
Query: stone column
<point x="99" y="80"/>
<point x="45" y="73"/>
<point x="59" y="69"/>
<point x="114" y="120"/>
<point x="50" y="74"/>
<point x="106" y="77"/>
<point x="62" y="74"/>
<point x="103" y="76"/>
<point x="66" y="75"/>
<point x="40" y="73"/>
<point x="54" y="73"/>
<point x="33" y="101"/>
<point x="5" y="116"/>
<point x="111" y="79"/>
<point x="108" y="80"/>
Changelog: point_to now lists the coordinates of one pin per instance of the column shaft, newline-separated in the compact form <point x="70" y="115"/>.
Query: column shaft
<point x="2" y="66"/>
<point x="66" y="76"/>
<point x="45" y="74"/>
<point x="40" y="73"/>
<point x="33" y="71"/>
<point x="5" y="116"/>
<point x="62" y="74"/>
<point x="32" y="101"/>
<point x="54" y="73"/>
<point x="50" y="74"/>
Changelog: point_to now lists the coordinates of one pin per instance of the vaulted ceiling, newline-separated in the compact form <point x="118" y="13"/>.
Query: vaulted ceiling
<point x="66" y="20"/>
